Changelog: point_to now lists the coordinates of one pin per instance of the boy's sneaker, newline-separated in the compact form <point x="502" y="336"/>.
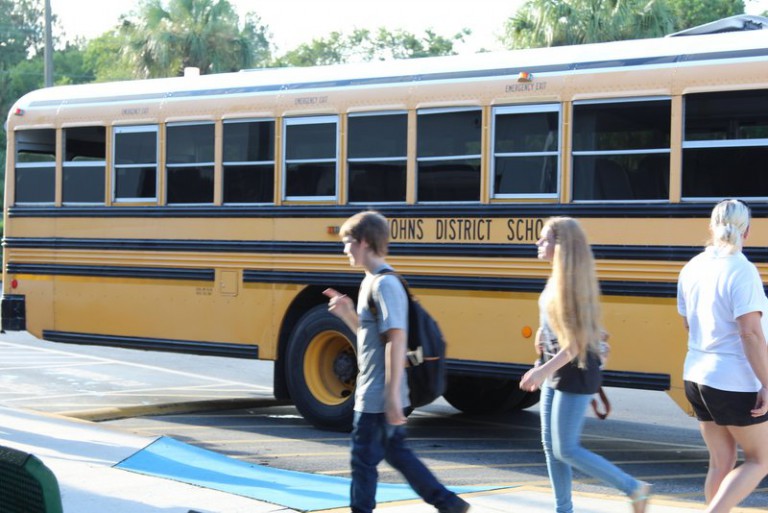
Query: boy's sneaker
<point x="458" y="506"/>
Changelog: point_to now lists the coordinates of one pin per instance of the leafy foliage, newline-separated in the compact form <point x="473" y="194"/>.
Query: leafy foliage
<point x="691" y="13"/>
<point x="206" y="34"/>
<point x="541" y="23"/>
<point x="106" y="58"/>
<point x="364" y="46"/>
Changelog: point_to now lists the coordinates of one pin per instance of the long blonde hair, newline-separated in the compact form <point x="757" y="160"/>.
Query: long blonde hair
<point x="574" y="311"/>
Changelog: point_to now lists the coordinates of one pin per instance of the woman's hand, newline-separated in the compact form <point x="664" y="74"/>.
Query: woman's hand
<point x="532" y="380"/>
<point x="761" y="405"/>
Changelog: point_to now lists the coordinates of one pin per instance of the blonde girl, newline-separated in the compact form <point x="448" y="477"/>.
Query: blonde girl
<point x="568" y="371"/>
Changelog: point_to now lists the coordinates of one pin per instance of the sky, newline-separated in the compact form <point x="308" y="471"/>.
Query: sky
<point x="293" y="22"/>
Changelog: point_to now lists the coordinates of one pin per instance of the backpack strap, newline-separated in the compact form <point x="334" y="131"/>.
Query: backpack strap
<point x="379" y="275"/>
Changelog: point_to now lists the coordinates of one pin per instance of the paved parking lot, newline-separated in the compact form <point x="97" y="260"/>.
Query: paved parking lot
<point x="226" y="405"/>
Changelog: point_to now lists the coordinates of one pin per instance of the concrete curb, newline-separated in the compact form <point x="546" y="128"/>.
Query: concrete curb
<point x="144" y="410"/>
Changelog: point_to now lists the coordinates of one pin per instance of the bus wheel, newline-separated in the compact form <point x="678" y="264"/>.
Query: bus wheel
<point x="472" y="394"/>
<point x="321" y="369"/>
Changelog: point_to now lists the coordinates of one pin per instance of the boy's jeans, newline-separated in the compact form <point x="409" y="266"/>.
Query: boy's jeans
<point x="374" y="440"/>
<point x="562" y="419"/>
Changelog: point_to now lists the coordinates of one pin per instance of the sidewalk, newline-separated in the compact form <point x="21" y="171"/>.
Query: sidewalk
<point x="84" y="455"/>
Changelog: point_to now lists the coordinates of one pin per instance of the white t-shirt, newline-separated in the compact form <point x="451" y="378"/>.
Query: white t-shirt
<point x="713" y="290"/>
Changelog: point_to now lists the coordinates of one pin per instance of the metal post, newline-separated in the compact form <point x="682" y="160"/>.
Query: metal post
<point x="48" y="45"/>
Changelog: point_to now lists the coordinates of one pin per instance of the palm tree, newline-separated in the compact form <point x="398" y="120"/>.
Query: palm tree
<point x="194" y="33"/>
<point x="566" y="22"/>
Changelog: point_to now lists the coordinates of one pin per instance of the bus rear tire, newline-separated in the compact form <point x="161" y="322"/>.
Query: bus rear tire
<point x="321" y="370"/>
<point x="472" y="394"/>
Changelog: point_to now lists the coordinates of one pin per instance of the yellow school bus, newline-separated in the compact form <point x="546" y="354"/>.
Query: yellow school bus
<point x="200" y="214"/>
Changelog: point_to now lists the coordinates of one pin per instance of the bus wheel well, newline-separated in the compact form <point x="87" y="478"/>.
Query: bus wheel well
<point x="307" y="299"/>
<point x="475" y="394"/>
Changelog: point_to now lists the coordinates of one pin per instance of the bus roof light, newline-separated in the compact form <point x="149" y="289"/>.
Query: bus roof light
<point x="524" y="76"/>
<point x="18" y="112"/>
<point x="333" y="230"/>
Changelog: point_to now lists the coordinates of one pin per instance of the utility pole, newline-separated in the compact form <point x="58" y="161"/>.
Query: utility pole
<point x="48" y="46"/>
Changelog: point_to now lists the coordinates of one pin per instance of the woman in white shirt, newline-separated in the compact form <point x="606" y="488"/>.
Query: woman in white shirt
<point x="721" y="297"/>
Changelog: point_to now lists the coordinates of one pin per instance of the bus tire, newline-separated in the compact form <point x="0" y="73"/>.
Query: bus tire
<point x="321" y="369"/>
<point x="472" y="394"/>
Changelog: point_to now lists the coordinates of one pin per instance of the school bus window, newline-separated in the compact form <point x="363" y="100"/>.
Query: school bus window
<point x="725" y="144"/>
<point x="377" y="155"/>
<point x="621" y="150"/>
<point x="189" y="163"/>
<point x="311" y="151"/>
<point x="249" y="161"/>
<point x="35" y="171"/>
<point x="526" y="144"/>
<point x="448" y="155"/>
<point x="135" y="163"/>
<point x="84" y="165"/>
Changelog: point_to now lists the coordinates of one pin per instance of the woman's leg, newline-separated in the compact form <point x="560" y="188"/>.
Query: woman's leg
<point x="567" y="423"/>
<point x="560" y="474"/>
<point x="722" y="456"/>
<point x="742" y="480"/>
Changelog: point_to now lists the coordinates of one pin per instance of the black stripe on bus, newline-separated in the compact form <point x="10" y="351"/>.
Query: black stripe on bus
<point x="497" y="210"/>
<point x="412" y="78"/>
<point x="601" y="251"/>
<point x="611" y="378"/>
<point x="494" y="283"/>
<point x="155" y="344"/>
<point x="159" y="273"/>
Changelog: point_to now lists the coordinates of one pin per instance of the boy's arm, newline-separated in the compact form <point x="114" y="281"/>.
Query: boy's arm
<point x="395" y="370"/>
<point x="342" y="307"/>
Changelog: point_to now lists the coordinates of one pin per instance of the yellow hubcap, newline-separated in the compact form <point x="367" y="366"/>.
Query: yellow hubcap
<point x="326" y="353"/>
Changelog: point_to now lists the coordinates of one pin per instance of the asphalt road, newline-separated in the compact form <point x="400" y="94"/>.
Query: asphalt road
<point x="226" y="405"/>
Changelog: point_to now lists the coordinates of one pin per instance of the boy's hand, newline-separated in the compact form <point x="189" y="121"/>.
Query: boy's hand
<point x="339" y="304"/>
<point x="394" y="413"/>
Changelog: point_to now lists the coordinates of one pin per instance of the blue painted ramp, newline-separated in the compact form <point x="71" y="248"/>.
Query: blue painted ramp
<point x="176" y="460"/>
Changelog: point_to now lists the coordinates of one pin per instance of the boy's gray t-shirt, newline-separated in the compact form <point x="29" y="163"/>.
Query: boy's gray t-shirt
<point x="391" y="302"/>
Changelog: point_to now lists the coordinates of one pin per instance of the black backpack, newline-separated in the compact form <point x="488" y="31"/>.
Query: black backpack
<point x="426" y="366"/>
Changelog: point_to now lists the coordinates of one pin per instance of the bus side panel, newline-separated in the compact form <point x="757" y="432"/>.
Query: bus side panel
<point x="184" y="310"/>
<point x="646" y="333"/>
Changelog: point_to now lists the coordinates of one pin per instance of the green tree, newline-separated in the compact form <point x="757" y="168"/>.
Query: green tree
<point x="691" y="13"/>
<point x="540" y="23"/>
<point x="362" y="45"/>
<point x="21" y="36"/>
<point x="105" y="57"/>
<point x="206" y="34"/>
<point x="68" y="63"/>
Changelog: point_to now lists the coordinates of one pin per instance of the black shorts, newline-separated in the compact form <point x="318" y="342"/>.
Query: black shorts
<point x="723" y="407"/>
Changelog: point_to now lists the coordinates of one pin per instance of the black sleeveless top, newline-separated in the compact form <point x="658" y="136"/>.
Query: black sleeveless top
<point x="568" y="378"/>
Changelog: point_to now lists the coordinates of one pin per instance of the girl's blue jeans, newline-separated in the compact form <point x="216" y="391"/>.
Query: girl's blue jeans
<point x="562" y="420"/>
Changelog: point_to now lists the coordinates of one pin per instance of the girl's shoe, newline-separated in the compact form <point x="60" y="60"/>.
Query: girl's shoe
<point x="639" y="498"/>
